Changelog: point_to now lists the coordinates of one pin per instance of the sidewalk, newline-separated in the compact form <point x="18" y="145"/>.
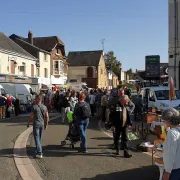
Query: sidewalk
<point x="100" y="163"/>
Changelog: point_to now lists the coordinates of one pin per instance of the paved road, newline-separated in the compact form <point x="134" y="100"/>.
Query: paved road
<point x="9" y="130"/>
<point x="63" y="163"/>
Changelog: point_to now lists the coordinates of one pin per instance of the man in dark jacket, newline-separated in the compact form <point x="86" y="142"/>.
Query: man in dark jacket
<point x="121" y="121"/>
<point x="2" y="106"/>
<point x="17" y="106"/>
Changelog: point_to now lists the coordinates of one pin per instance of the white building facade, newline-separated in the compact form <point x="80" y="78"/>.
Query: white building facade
<point x="17" y="64"/>
<point x="174" y="41"/>
<point x="43" y="71"/>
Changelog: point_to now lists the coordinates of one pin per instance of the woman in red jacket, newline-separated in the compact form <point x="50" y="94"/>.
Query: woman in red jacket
<point x="8" y="106"/>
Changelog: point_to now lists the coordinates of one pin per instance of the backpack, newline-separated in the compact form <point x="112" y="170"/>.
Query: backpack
<point x="87" y="99"/>
<point x="83" y="111"/>
<point x="63" y="102"/>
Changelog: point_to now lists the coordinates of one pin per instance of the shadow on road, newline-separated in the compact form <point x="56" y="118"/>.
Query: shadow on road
<point x="92" y="125"/>
<point x="102" y="138"/>
<point x="59" y="151"/>
<point x="143" y="173"/>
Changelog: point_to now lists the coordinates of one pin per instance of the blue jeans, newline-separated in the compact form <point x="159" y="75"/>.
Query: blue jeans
<point x="175" y="174"/>
<point x="82" y="125"/>
<point x="37" y="132"/>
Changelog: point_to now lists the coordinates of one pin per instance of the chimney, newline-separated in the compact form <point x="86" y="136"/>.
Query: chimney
<point x="30" y="37"/>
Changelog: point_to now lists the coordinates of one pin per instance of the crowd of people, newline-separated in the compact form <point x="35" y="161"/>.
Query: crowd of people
<point x="105" y="105"/>
<point x="9" y="105"/>
<point x="114" y="106"/>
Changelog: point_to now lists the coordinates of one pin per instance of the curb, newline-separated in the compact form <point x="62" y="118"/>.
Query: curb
<point x="21" y="159"/>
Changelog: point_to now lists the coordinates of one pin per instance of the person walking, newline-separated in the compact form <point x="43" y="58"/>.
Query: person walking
<point x="2" y="106"/>
<point x="82" y="113"/>
<point x="171" y="146"/>
<point x="92" y="102"/>
<point x="98" y="102"/>
<point x="56" y="101"/>
<point x="17" y="106"/>
<point x="130" y="105"/>
<point x="121" y="121"/>
<point x="40" y="118"/>
<point x="8" y="106"/>
<point x="104" y="103"/>
<point x="73" y="101"/>
<point x="64" y="105"/>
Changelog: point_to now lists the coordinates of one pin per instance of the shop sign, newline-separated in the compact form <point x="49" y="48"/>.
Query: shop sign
<point x="2" y="78"/>
<point x="18" y="80"/>
<point x="57" y="80"/>
<point x="152" y="66"/>
<point x="45" y="81"/>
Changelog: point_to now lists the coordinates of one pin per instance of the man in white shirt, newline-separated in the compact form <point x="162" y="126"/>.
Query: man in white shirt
<point x="92" y="102"/>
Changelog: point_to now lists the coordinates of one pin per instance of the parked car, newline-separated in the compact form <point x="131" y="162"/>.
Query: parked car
<point x="165" y="84"/>
<point x="158" y="97"/>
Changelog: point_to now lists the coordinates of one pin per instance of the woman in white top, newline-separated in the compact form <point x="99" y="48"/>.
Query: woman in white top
<point x="73" y="101"/>
<point x="92" y="99"/>
<point x="171" y="147"/>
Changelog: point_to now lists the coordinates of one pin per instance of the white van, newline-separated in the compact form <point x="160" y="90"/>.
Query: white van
<point x="2" y="91"/>
<point x="77" y="86"/>
<point x="158" y="97"/>
<point x="23" y="91"/>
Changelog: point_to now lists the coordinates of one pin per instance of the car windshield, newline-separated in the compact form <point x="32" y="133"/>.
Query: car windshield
<point x="164" y="94"/>
<point x="84" y="87"/>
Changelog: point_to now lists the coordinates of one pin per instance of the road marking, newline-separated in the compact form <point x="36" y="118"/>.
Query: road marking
<point x="22" y="161"/>
<point x="101" y="128"/>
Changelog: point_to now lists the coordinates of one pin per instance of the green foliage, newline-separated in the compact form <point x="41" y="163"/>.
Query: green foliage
<point x="112" y="62"/>
<point x="131" y="74"/>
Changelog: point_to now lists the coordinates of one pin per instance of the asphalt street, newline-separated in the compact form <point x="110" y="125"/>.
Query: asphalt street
<point x="9" y="131"/>
<point x="100" y="163"/>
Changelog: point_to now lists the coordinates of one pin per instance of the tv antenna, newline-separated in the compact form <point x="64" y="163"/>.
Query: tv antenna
<point x="102" y="41"/>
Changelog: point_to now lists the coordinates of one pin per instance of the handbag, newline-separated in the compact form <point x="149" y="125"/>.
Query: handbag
<point x="9" y="109"/>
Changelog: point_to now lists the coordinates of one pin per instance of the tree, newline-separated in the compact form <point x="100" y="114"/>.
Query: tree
<point x="131" y="74"/>
<point x="112" y="62"/>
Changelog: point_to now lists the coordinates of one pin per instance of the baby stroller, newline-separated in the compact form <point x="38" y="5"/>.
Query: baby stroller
<point x="73" y="133"/>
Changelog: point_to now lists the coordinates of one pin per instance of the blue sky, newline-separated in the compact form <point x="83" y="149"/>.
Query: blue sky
<point x="131" y="28"/>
